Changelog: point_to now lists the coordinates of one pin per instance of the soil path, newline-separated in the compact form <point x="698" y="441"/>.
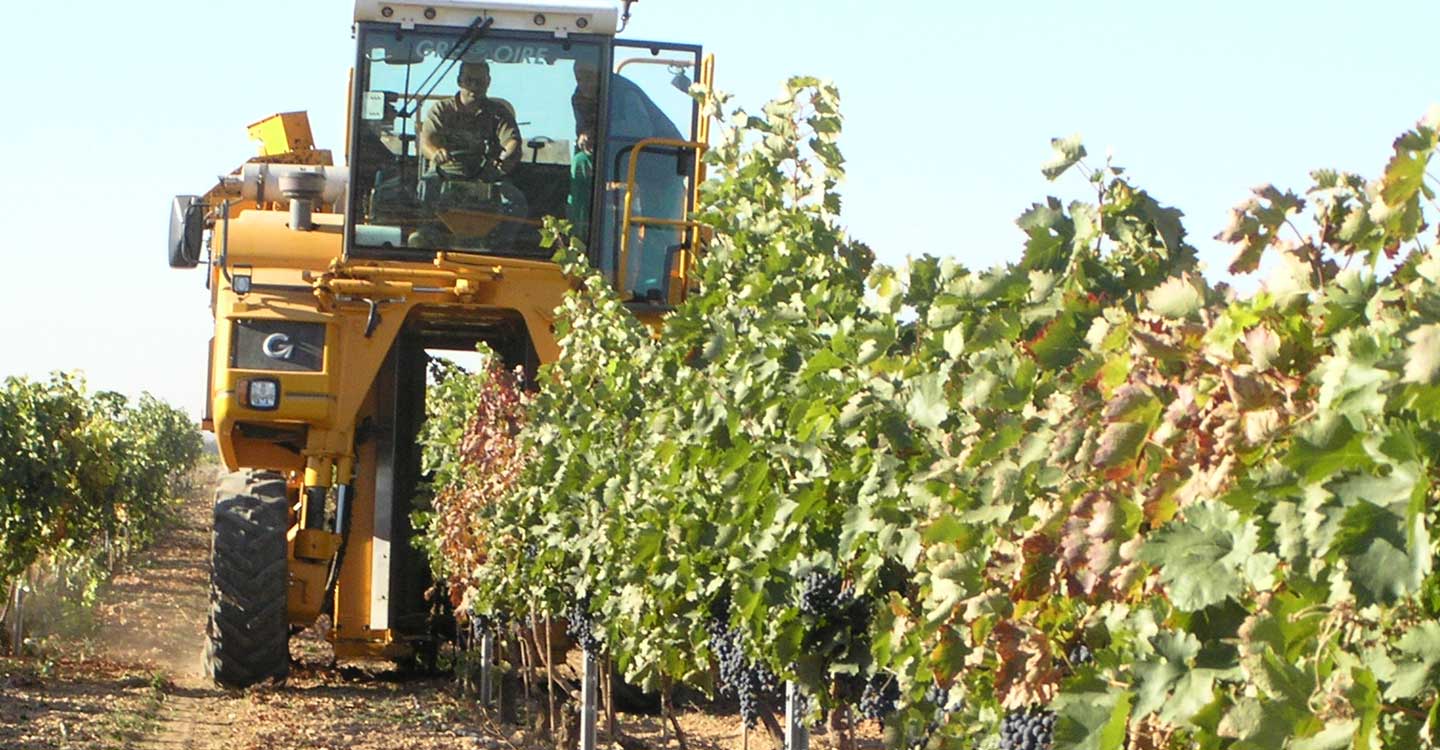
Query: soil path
<point x="138" y="681"/>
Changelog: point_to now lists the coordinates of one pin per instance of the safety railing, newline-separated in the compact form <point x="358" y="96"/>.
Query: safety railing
<point x="687" y="226"/>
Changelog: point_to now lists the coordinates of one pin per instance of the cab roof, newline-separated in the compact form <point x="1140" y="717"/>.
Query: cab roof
<point x="560" y="18"/>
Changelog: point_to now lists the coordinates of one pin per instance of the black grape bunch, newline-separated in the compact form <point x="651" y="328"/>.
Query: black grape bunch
<point x="937" y="708"/>
<point x="580" y="625"/>
<point x="880" y="696"/>
<point x="1028" y="729"/>
<point x="820" y="594"/>
<point x="750" y="682"/>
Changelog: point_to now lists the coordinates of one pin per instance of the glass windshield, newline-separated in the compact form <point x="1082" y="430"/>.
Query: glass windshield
<point x="466" y="144"/>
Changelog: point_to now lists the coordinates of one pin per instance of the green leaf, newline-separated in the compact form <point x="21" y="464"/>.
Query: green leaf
<point x="1092" y="721"/>
<point x="1416" y="666"/>
<point x="1335" y="736"/>
<point x="1364" y="697"/>
<point x="1059" y="343"/>
<point x="1049" y="231"/>
<point x="1255" y="224"/>
<point x="1173" y="657"/>
<point x="1260" y="725"/>
<point x="1405" y="174"/>
<point x="1344" y="300"/>
<point x="1326" y="448"/>
<point x="1068" y="151"/>
<point x="1177" y="298"/>
<point x="1422" y="357"/>
<point x="1207" y="557"/>
<point x="1379" y="545"/>
<point x="927" y="405"/>
<point x="945" y="529"/>
<point x="1432" y="722"/>
<point x="1120" y="443"/>
<point x="823" y="361"/>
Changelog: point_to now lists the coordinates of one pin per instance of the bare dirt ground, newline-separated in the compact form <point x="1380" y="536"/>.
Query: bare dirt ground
<point x="139" y="684"/>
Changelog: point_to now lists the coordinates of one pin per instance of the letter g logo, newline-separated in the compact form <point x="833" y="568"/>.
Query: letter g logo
<point x="277" y="346"/>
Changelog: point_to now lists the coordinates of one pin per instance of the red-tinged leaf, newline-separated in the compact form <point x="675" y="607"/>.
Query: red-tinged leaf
<point x="1120" y="445"/>
<point x="1027" y="674"/>
<point x="1037" y="568"/>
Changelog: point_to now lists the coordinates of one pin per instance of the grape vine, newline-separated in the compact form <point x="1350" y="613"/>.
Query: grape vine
<point x="934" y="478"/>
<point x="78" y="470"/>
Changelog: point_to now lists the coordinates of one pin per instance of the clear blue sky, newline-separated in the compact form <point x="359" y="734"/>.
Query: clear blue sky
<point x="115" y="107"/>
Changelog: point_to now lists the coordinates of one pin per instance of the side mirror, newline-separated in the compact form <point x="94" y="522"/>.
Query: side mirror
<point x="187" y="231"/>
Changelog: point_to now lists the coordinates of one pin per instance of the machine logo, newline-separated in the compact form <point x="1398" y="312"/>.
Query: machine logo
<point x="277" y="346"/>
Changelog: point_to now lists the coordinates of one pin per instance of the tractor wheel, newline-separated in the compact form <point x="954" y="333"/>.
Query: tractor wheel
<point x="249" y="631"/>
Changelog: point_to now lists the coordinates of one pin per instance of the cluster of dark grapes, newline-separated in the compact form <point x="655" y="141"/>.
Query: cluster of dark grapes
<point x="479" y="626"/>
<point x="878" y="699"/>
<point x="940" y="709"/>
<point x="749" y="682"/>
<point x="838" y="629"/>
<point x="940" y="699"/>
<point x="1029" y="729"/>
<point x="1079" y="655"/>
<point x="580" y="626"/>
<point x="820" y="593"/>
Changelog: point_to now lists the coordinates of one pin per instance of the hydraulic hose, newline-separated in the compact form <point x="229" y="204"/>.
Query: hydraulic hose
<point x="343" y="494"/>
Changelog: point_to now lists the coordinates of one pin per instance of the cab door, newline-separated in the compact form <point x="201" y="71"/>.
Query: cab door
<point x="649" y="170"/>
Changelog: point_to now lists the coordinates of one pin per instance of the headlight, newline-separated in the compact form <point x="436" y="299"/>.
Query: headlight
<point x="260" y="394"/>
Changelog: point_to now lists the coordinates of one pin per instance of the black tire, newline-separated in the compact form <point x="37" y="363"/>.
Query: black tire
<point x="248" y="631"/>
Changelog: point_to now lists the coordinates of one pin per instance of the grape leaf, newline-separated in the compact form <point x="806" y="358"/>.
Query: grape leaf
<point x="1207" y="557"/>
<point x="1422" y="357"/>
<point x="1092" y="720"/>
<point x="1049" y="231"/>
<point x="1382" y="545"/>
<point x="1416" y="669"/>
<point x="1177" y="298"/>
<point x="1255" y="224"/>
<point x="1405" y="174"/>
<point x="1337" y="735"/>
<point x="928" y="406"/>
<point x="1132" y="403"/>
<point x="1068" y="151"/>
<point x="1120" y="443"/>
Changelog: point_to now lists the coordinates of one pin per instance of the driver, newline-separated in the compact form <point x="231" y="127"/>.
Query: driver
<point x="475" y="135"/>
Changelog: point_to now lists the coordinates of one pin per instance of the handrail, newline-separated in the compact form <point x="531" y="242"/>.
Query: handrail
<point x="668" y="62"/>
<point x="627" y="217"/>
<point x="689" y="247"/>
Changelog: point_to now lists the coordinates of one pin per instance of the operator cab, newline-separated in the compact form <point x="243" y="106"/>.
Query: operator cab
<point x="614" y="155"/>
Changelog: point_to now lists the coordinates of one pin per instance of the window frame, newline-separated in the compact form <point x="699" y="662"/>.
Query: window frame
<point x="360" y="80"/>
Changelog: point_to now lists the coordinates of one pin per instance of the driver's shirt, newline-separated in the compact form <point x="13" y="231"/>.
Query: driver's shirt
<point x="481" y="131"/>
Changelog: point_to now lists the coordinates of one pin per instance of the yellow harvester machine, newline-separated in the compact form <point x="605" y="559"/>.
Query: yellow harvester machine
<point x="332" y="285"/>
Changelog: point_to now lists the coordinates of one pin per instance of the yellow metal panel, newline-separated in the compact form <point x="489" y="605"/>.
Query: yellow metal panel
<point x="314" y="544"/>
<point x="263" y="239"/>
<point x="352" y="594"/>
<point x="307" y="590"/>
<point x="283" y="133"/>
<point x="304" y="397"/>
<point x="377" y="644"/>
